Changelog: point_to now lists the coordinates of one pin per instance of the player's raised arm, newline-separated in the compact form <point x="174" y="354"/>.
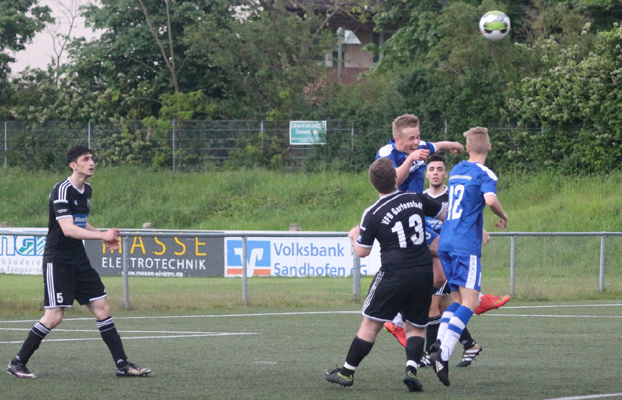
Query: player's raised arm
<point x="358" y="250"/>
<point x="403" y="171"/>
<point x="453" y="147"/>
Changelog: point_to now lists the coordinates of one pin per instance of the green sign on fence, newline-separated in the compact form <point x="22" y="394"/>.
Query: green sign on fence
<point x="307" y="132"/>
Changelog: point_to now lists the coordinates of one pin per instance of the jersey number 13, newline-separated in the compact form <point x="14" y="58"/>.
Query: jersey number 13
<point x="415" y="222"/>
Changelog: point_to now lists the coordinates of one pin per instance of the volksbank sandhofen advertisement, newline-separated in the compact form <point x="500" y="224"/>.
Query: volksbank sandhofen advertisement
<point x="295" y="257"/>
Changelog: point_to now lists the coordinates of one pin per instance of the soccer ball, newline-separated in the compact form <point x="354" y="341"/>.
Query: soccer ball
<point x="494" y="25"/>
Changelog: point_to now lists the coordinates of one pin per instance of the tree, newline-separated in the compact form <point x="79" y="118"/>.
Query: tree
<point x="267" y="61"/>
<point x="142" y="53"/>
<point x="61" y="33"/>
<point x="445" y="69"/>
<point x="20" y="20"/>
<point x="576" y="101"/>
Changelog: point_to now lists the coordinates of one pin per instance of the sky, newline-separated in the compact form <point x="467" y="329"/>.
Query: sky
<point x="39" y="53"/>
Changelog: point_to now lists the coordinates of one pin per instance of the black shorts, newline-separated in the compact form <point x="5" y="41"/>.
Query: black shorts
<point x="408" y="292"/>
<point x="443" y="290"/>
<point x="65" y="283"/>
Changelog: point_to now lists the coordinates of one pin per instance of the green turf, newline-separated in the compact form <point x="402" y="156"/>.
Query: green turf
<point x="529" y="353"/>
<point x="548" y="269"/>
<point x="21" y="294"/>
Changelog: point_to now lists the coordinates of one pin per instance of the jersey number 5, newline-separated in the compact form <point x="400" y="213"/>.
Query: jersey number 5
<point x="413" y="222"/>
<point x="455" y="197"/>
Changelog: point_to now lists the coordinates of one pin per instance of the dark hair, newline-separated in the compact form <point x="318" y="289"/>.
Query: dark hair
<point x="382" y="175"/>
<point x="76" y="151"/>
<point x="436" y="157"/>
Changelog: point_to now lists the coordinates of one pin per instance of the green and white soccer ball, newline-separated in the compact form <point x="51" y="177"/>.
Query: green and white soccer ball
<point x="494" y="25"/>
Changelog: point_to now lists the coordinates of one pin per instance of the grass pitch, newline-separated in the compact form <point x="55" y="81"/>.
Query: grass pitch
<point x="531" y="351"/>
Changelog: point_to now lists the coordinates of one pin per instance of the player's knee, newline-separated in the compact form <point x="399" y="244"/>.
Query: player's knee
<point x="100" y="309"/>
<point x="51" y="319"/>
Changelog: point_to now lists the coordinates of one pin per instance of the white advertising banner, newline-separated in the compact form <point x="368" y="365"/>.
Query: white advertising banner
<point x="21" y="255"/>
<point x="296" y="257"/>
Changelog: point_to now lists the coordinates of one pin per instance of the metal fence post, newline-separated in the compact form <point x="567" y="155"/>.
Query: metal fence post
<point x="356" y="277"/>
<point x="513" y="265"/>
<point x="6" y="147"/>
<point x="173" y="145"/>
<point x="244" y="271"/>
<point x="601" y="278"/>
<point x="126" y="281"/>
<point x="261" y="131"/>
<point x="89" y="135"/>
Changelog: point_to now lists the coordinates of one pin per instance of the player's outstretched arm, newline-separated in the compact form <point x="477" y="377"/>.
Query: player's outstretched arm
<point x="453" y="147"/>
<point x="110" y="237"/>
<point x="495" y="206"/>
<point x="88" y="233"/>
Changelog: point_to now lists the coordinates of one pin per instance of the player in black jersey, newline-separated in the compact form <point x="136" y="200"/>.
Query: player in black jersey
<point x="404" y="281"/>
<point x="67" y="272"/>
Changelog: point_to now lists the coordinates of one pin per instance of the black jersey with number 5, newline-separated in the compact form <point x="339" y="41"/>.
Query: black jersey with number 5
<point x="397" y="221"/>
<point x="66" y="201"/>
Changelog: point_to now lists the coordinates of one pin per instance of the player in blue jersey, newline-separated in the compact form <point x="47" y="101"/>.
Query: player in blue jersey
<point x="408" y="152"/>
<point x="472" y="187"/>
<point x="436" y="173"/>
<point x="67" y="272"/>
<point x="404" y="281"/>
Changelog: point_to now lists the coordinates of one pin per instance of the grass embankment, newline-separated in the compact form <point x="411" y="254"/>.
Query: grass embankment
<point x="265" y="200"/>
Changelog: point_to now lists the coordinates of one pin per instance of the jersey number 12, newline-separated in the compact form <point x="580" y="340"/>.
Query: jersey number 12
<point x="455" y="197"/>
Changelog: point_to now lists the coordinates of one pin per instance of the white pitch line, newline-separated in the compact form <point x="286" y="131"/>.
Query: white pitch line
<point x="143" y="337"/>
<point x="205" y="316"/>
<point x="97" y="331"/>
<point x="305" y="313"/>
<point x="553" y="316"/>
<point x="565" y="306"/>
<point x="589" y="396"/>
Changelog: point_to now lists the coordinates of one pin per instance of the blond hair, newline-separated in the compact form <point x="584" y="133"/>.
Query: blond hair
<point x="477" y="139"/>
<point x="404" y="121"/>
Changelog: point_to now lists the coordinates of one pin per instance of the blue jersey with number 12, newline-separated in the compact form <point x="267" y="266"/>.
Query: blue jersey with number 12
<point x="462" y="230"/>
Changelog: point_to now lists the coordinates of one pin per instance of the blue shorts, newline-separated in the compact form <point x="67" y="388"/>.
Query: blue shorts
<point x="462" y="270"/>
<point x="430" y="235"/>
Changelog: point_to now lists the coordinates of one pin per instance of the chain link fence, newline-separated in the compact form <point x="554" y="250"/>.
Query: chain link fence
<point x="184" y="145"/>
<point x="170" y="144"/>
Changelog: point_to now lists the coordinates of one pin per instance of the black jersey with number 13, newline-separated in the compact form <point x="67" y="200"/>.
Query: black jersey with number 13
<point x="397" y="221"/>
